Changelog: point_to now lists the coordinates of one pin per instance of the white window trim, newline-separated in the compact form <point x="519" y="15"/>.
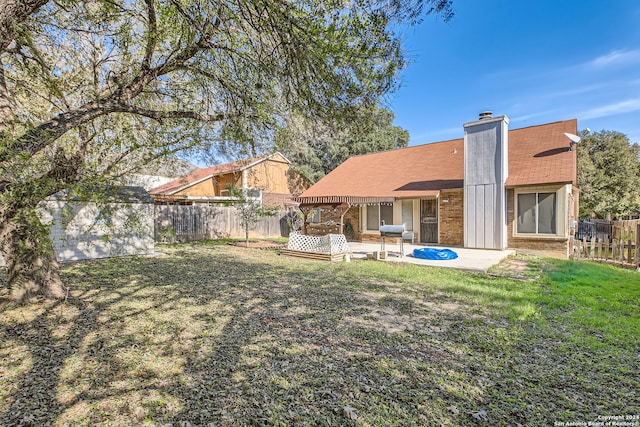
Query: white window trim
<point x="366" y="229"/>
<point x="536" y="235"/>
<point x="412" y="214"/>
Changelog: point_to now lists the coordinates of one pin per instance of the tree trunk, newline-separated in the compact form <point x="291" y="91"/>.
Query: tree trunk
<point x="32" y="268"/>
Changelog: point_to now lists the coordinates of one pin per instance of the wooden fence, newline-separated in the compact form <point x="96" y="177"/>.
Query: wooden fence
<point x="623" y="248"/>
<point x="182" y="223"/>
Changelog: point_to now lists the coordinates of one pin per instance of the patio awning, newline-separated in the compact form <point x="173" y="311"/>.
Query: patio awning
<point x="333" y="200"/>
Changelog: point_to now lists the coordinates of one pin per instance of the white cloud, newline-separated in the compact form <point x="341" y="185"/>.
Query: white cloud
<point x="615" y="57"/>
<point x="436" y="135"/>
<point x="611" y="109"/>
<point x="527" y="117"/>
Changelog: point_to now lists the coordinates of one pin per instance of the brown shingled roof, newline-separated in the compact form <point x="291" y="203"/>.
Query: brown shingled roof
<point x="537" y="155"/>
<point x="540" y="154"/>
<point x="204" y="173"/>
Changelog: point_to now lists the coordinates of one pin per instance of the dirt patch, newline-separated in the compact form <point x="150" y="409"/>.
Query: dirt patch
<point x="518" y="267"/>
<point x="258" y="244"/>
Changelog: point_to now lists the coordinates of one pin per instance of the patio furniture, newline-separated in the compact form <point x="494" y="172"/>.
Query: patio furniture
<point x="330" y="247"/>
<point x="409" y="235"/>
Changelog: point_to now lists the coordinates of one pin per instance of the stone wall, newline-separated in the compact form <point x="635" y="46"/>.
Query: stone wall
<point x="552" y="246"/>
<point x="451" y="220"/>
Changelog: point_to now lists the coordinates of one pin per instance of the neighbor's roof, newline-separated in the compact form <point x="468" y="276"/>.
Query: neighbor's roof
<point x="200" y="175"/>
<point x="537" y="155"/>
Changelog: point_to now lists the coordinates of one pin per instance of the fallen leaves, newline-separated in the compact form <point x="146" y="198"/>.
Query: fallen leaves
<point x="233" y="337"/>
<point x="350" y="412"/>
<point x="480" y="415"/>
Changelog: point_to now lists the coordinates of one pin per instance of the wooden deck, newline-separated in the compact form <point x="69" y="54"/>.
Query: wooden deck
<point x="314" y="255"/>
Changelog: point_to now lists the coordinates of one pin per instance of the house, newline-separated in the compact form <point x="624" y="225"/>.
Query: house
<point x="269" y="177"/>
<point x="156" y="173"/>
<point x="493" y="189"/>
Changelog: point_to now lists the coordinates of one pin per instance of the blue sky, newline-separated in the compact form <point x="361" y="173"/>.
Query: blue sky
<point x="535" y="61"/>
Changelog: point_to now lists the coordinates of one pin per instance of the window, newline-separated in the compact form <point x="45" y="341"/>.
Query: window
<point x="314" y="215"/>
<point x="537" y="213"/>
<point x="407" y="214"/>
<point x="386" y="214"/>
<point x="378" y="213"/>
<point x="373" y="218"/>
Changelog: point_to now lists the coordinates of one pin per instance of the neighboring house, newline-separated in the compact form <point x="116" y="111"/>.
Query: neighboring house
<point x="267" y="177"/>
<point x="495" y="188"/>
<point x="117" y="222"/>
<point x="157" y="173"/>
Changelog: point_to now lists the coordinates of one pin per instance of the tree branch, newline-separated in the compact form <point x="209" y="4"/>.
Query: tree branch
<point x="160" y="116"/>
<point x="151" y="36"/>
<point x="13" y="13"/>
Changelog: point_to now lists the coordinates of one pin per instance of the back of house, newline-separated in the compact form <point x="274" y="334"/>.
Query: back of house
<point x="493" y="189"/>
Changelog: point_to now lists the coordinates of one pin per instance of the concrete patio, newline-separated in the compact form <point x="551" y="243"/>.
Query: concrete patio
<point x="478" y="260"/>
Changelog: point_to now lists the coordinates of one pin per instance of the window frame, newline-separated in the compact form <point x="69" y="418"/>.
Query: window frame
<point x="536" y="233"/>
<point x="408" y="227"/>
<point x="366" y="217"/>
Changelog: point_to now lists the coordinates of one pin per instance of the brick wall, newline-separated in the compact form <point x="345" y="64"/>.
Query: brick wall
<point x="353" y="216"/>
<point x="328" y="214"/>
<point x="557" y="247"/>
<point x="451" y="221"/>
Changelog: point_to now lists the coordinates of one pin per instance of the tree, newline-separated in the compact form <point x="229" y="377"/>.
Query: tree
<point x="249" y="209"/>
<point x="92" y="89"/>
<point x="316" y="148"/>
<point x="608" y="175"/>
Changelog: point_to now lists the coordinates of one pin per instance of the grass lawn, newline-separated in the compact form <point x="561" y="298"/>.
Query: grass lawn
<point x="211" y="333"/>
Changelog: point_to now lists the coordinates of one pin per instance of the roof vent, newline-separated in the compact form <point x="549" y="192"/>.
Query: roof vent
<point x="486" y="115"/>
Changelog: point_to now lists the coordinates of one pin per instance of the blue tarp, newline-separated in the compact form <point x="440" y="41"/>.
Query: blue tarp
<point x="435" y="254"/>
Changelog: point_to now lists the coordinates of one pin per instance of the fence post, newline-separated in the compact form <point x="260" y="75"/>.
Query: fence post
<point x="599" y="248"/>
<point x="571" y="248"/>
<point x="621" y="247"/>
<point x="638" y="246"/>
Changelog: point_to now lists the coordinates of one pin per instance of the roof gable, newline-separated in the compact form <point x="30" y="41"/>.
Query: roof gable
<point x="537" y="155"/>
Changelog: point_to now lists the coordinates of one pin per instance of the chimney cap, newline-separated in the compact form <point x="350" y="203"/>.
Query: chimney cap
<point x="486" y="115"/>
